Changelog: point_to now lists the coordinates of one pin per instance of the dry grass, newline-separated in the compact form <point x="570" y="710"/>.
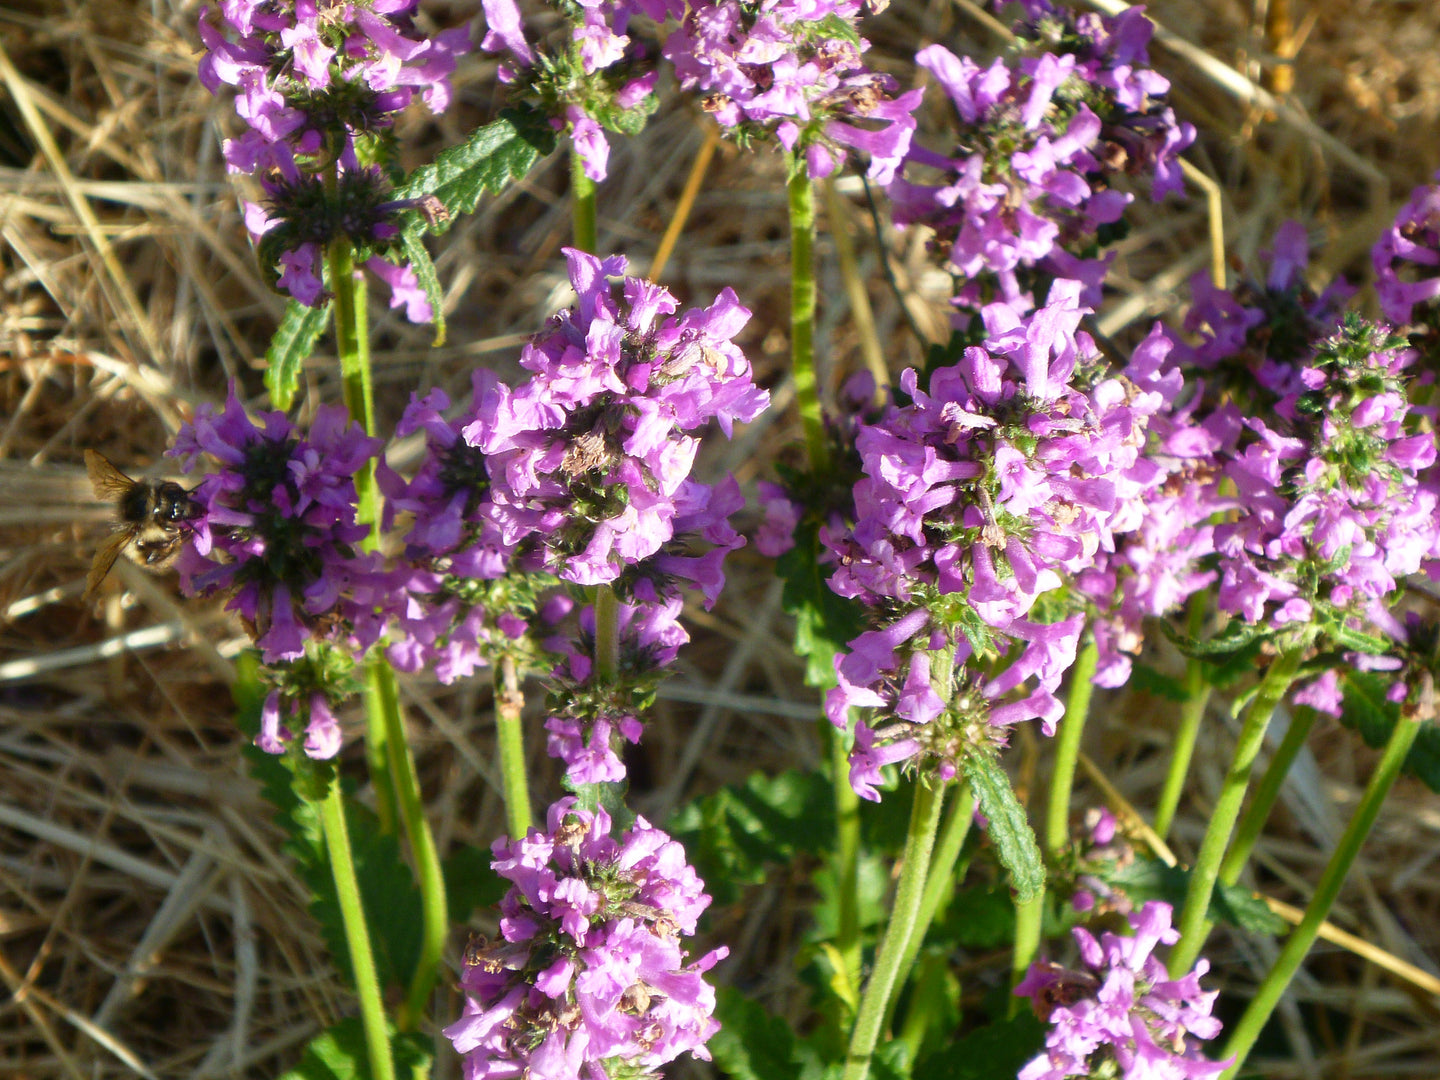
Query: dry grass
<point x="147" y="926"/>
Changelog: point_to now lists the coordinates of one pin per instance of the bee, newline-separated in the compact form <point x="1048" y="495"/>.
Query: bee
<point x="155" y="517"/>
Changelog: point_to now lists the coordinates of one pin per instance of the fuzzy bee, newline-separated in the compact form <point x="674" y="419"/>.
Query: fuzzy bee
<point x="155" y="519"/>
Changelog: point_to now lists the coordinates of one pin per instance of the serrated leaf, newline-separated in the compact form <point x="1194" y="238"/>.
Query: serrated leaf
<point x="733" y="835"/>
<point x="493" y="156"/>
<point x="824" y="620"/>
<point x="1368" y="711"/>
<point x="290" y="347"/>
<point x="995" y="1052"/>
<point x="413" y="243"/>
<point x="339" y="1053"/>
<point x="1010" y="832"/>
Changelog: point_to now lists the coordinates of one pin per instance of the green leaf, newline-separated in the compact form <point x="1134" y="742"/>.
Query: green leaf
<point x="471" y="882"/>
<point x="824" y="620"/>
<point x="995" y="1052"/>
<point x="733" y="835"/>
<point x="1151" y="879"/>
<point x="413" y="242"/>
<point x="292" y="344"/>
<point x="978" y="919"/>
<point x="1010" y="832"/>
<point x="1157" y="683"/>
<point x="338" y="1053"/>
<point x="753" y="1044"/>
<point x="493" y="156"/>
<point x="873" y="874"/>
<point x="1368" y="711"/>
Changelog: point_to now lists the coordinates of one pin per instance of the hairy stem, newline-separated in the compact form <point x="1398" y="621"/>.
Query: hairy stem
<point x="1192" y="712"/>
<point x="582" y="206"/>
<point x="1266" y="792"/>
<point x="1067" y="748"/>
<point x="802" y="318"/>
<point x="357" y="934"/>
<point x="509" y="705"/>
<point x="875" y="1001"/>
<point x="435" y="915"/>
<point x="940" y="883"/>
<point x="1267" y="996"/>
<point x="352" y="342"/>
<point x="1194" y="922"/>
<point x="847" y="855"/>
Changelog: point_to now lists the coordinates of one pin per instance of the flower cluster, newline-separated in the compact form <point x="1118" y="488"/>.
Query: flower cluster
<point x="937" y="711"/>
<point x="1407" y="258"/>
<point x="1026" y="195"/>
<point x="317" y="85"/>
<point x="279" y="532"/>
<point x="589" y="461"/>
<point x="592" y="76"/>
<point x="1120" y="1014"/>
<point x="589" y="973"/>
<point x="1004" y="478"/>
<point x="795" y="69"/>
<point x="1250" y="333"/>
<point x="1331" y="510"/>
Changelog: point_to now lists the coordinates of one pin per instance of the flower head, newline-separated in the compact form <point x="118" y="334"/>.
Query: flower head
<point x="589" y="974"/>
<point x="1120" y="1013"/>
<point x="589" y="461"/>
<point x="279" y="531"/>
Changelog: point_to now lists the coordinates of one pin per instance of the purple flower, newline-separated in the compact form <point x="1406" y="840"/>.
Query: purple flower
<point x="1407" y="256"/>
<point x="589" y="973"/>
<point x="1026" y="190"/>
<point x="591" y="458"/>
<point x="279" y="530"/>
<point x="1120" y="1013"/>
<point x="795" y="68"/>
<point x="315" y="88"/>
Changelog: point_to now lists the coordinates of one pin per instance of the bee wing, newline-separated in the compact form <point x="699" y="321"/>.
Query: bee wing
<point x="108" y="481"/>
<point x="104" y="559"/>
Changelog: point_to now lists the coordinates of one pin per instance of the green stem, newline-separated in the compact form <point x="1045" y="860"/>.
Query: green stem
<point x="509" y="707"/>
<point x="397" y="787"/>
<point x="847" y="855"/>
<point x="352" y="341"/>
<point x="357" y="934"/>
<point x="802" y="317"/>
<point x="1194" y="922"/>
<point x="607" y="636"/>
<point x="875" y="1001"/>
<point x="1192" y="712"/>
<point x="1067" y="748"/>
<point x="1029" y="918"/>
<point x="940" y="884"/>
<point x="1267" y="996"/>
<point x="435" y="916"/>
<point x="1266" y="792"/>
<point x="582" y="206"/>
